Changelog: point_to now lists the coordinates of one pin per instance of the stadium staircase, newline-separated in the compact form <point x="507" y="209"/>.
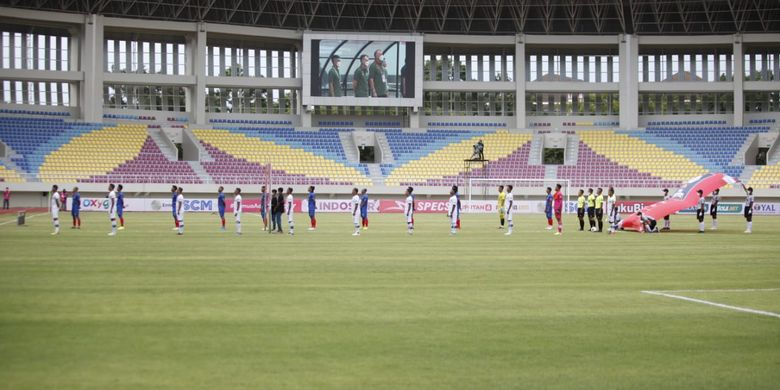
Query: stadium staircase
<point x="350" y="149"/>
<point x="384" y="147"/>
<point x="572" y="150"/>
<point x="375" y="174"/>
<point x="537" y="149"/>
<point x="550" y="172"/>
<point x="198" y="168"/>
<point x="167" y="147"/>
<point x="203" y="154"/>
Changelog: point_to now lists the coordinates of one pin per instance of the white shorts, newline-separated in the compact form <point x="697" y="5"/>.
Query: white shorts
<point x="180" y="217"/>
<point x="508" y="216"/>
<point x="238" y="217"/>
<point x="410" y="218"/>
<point x="356" y="219"/>
<point x="454" y="219"/>
<point x="112" y="215"/>
<point x="55" y="214"/>
<point x="289" y="217"/>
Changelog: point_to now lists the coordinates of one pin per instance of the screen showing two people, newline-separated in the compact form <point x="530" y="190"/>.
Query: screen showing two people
<point x="363" y="69"/>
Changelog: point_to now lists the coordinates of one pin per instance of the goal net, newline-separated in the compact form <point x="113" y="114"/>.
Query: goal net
<point x="487" y="189"/>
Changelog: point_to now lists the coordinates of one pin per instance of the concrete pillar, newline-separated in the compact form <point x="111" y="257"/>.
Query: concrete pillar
<point x="196" y="54"/>
<point x="414" y="118"/>
<point x="739" y="77"/>
<point x="91" y="91"/>
<point x="520" y="120"/>
<point x="629" y="86"/>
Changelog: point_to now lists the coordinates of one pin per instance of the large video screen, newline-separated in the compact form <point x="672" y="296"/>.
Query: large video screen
<point x="357" y="70"/>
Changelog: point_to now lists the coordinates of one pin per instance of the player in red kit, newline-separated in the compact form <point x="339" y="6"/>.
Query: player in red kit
<point x="558" y="208"/>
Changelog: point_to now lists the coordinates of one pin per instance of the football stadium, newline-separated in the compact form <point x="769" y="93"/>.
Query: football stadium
<point x="440" y="194"/>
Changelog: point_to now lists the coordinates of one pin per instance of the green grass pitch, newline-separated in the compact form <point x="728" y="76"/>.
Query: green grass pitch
<point x="326" y="310"/>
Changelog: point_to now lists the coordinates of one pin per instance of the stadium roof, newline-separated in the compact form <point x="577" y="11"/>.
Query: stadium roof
<point x="597" y="17"/>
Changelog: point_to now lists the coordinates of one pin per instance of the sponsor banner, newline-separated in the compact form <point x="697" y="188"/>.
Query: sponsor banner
<point x="338" y="206"/>
<point x="429" y="206"/>
<point x="765" y="208"/>
<point x="424" y="206"/>
<point x="102" y="204"/>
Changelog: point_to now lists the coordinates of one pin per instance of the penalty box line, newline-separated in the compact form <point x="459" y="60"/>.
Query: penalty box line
<point x="716" y="304"/>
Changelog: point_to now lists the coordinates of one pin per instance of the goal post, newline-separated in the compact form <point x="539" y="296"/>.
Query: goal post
<point x="487" y="189"/>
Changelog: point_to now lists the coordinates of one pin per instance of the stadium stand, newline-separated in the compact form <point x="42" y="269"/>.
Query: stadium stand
<point x="594" y="170"/>
<point x="34" y="112"/>
<point x="252" y="121"/>
<point x="8" y="175"/>
<point x="149" y="166"/>
<point x="292" y="165"/>
<point x="635" y="154"/>
<point x="713" y="147"/>
<point x="447" y="162"/>
<point x="94" y="153"/>
<point x="52" y="150"/>
<point x="34" y="138"/>
<point x="766" y="177"/>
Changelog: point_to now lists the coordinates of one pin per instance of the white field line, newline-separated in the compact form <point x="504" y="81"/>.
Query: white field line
<point x="722" y="290"/>
<point x="735" y="308"/>
<point x="28" y="217"/>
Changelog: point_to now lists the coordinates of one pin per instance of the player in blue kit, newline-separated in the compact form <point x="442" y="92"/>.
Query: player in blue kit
<point x="364" y="208"/>
<point x="174" y="195"/>
<point x="312" y="202"/>
<point x="264" y="207"/>
<point x="75" y="208"/>
<point x="548" y="208"/>
<point x="120" y="206"/>
<point x="221" y="205"/>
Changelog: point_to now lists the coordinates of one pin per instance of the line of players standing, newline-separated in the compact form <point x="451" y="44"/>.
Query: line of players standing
<point x="283" y="203"/>
<point x="115" y="207"/>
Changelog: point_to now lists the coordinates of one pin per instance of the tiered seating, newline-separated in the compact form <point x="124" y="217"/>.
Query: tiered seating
<point x="149" y="166"/>
<point x="407" y="146"/>
<point x="766" y="177"/>
<point x="130" y="117"/>
<point x="686" y="123"/>
<point x="33" y="138"/>
<point x="325" y="142"/>
<point x="252" y="121"/>
<point x="335" y="123"/>
<point x="760" y="121"/>
<point x="33" y="112"/>
<point x="711" y="147"/>
<point x="383" y="123"/>
<point x="466" y="124"/>
<point x="292" y="165"/>
<point x="8" y="175"/>
<point x="513" y="166"/>
<point x="447" y="162"/>
<point x="596" y="123"/>
<point x="595" y="170"/>
<point x="93" y="154"/>
<point x="634" y="153"/>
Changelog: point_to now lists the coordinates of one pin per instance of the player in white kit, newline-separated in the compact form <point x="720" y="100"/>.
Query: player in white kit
<point x="612" y="210"/>
<point x="55" y="209"/>
<point x="112" y="205"/>
<point x="180" y="210"/>
<point x="237" y="207"/>
<point x="702" y="203"/>
<point x="510" y="203"/>
<point x="452" y="212"/>
<point x="355" y="211"/>
<point x="749" y="200"/>
<point x="289" y="209"/>
<point x="409" y="210"/>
